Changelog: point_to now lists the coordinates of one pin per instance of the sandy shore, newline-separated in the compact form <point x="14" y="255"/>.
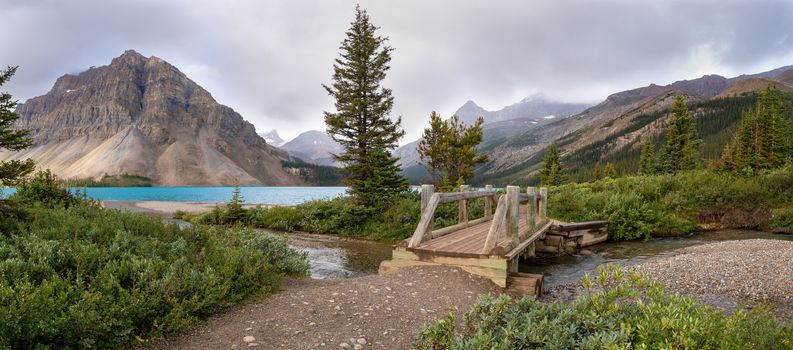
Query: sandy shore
<point x="164" y="208"/>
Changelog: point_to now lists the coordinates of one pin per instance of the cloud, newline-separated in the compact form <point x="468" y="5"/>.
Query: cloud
<point x="268" y="59"/>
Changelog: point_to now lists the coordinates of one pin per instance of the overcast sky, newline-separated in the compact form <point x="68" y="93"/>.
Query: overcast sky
<point x="268" y="59"/>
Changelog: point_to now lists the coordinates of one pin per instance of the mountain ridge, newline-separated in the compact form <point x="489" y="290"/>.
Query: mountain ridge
<point x="143" y="116"/>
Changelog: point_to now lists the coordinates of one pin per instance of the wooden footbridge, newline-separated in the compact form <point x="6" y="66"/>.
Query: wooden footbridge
<point x="491" y="246"/>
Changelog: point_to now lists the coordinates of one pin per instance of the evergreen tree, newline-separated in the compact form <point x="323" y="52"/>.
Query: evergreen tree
<point x="597" y="172"/>
<point x="552" y="172"/>
<point x="235" y="211"/>
<point x="433" y="147"/>
<point x="682" y="148"/>
<point x="763" y="137"/>
<point x="647" y="159"/>
<point x="361" y="123"/>
<point x="12" y="140"/>
<point x="449" y="150"/>
<point x="610" y="172"/>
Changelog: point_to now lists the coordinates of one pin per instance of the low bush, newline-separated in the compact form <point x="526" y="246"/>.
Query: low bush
<point x="342" y="216"/>
<point x="74" y="275"/>
<point x="619" y="311"/>
<point x="641" y="206"/>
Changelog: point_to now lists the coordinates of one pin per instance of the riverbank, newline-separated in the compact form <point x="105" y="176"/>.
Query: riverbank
<point x="164" y="208"/>
<point x="387" y="310"/>
<point x="725" y="274"/>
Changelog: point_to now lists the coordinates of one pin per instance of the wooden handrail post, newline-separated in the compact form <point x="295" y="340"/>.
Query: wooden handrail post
<point x="426" y="193"/>
<point x="462" y="211"/>
<point x="513" y="212"/>
<point x="531" y="219"/>
<point x="543" y="210"/>
<point x="489" y="202"/>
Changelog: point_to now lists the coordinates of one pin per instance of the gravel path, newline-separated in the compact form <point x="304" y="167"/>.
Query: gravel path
<point x="371" y="312"/>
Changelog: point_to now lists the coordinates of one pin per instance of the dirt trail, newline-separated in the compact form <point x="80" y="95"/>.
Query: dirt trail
<point x="382" y="311"/>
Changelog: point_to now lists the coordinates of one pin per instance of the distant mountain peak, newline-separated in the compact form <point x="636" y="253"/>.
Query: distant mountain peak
<point x="535" y="97"/>
<point x="272" y="138"/>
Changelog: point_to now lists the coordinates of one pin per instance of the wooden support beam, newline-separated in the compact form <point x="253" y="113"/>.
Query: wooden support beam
<point x="462" y="211"/>
<point x="513" y="214"/>
<point x="496" y="225"/>
<point x="489" y="202"/>
<point x="426" y="193"/>
<point x="421" y="234"/>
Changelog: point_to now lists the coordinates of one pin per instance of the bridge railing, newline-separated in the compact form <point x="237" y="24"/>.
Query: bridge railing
<point x="430" y="201"/>
<point x="506" y="220"/>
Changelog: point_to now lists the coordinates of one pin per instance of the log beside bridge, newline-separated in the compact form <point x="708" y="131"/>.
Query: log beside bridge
<point x="491" y="246"/>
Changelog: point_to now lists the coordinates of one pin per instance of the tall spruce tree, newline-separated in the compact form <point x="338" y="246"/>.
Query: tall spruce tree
<point x="553" y="172"/>
<point x="361" y="123"/>
<point x="12" y="140"/>
<point x="647" y="162"/>
<point x="763" y="138"/>
<point x="682" y="149"/>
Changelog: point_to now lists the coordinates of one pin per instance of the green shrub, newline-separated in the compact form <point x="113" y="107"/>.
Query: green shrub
<point x="44" y="189"/>
<point x="641" y="206"/>
<point x="619" y="311"/>
<point x="783" y="219"/>
<point x="86" y="277"/>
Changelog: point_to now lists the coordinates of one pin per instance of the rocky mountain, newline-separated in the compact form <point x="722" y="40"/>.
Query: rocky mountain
<point x="614" y="128"/>
<point x="143" y="116"/>
<point x="537" y="105"/>
<point x="528" y="113"/>
<point x="272" y="138"/>
<point x="611" y="128"/>
<point x="314" y="146"/>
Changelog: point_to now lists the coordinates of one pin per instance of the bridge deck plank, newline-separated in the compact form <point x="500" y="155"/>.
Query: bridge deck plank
<point x="467" y="241"/>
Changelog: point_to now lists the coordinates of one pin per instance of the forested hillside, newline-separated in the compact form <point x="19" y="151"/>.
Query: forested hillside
<point x="716" y="120"/>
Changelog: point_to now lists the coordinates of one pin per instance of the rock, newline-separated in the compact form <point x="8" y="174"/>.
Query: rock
<point x="362" y="341"/>
<point x="252" y="345"/>
<point x="142" y="116"/>
<point x="249" y="339"/>
<point x="586" y="252"/>
<point x="344" y="346"/>
<point x="358" y="347"/>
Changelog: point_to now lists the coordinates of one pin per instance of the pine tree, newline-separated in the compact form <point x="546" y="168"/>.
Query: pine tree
<point x="12" y="140"/>
<point x="433" y="147"/>
<point x="361" y="123"/>
<point x="552" y="172"/>
<point x="682" y="148"/>
<point x="449" y="149"/>
<point x="647" y="160"/>
<point x="763" y="137"/>
<point x="235" y="212"/>
<point x="597" y="172"/>
<point x="610" y="172"/>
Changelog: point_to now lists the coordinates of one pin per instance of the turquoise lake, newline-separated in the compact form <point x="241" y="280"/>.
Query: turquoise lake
<point x="252" y="195"/>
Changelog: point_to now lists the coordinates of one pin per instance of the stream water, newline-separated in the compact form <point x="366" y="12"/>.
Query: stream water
<point x="339" y="257"/>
